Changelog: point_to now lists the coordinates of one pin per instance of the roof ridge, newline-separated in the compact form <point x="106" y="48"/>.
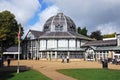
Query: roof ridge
<point x="70" y="34"/>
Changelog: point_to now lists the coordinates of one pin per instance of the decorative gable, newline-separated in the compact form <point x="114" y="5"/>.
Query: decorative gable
<point x="30" y="36"/>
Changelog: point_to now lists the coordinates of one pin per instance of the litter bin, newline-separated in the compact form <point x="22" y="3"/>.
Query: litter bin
<point x="104" y="64"/>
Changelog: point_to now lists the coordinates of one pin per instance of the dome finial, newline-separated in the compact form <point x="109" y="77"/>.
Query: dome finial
<point x="60" y="13"/>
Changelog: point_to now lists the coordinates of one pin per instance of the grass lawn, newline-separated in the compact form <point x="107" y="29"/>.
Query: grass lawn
<point x="92" y="74"/>
<point x="25" y="75"/>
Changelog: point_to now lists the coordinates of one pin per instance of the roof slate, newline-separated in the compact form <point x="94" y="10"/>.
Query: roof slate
<point x="108" y="48"/>
<point x="47" y="35"/>
<point x="63" y="35"/>
<point x="101" y="43"/>
<point x="104" y="48"/>
<point x="12" y="49"/>
<point x="36" y="33"/>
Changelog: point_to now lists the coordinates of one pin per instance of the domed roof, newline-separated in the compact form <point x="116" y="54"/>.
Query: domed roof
<point x="59" y="23"/>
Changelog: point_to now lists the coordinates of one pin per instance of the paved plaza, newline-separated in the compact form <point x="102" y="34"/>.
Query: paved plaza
<point x="49" y="68"/>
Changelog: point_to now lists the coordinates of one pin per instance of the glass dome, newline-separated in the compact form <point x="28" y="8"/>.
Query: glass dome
<point x="59" y="23"/>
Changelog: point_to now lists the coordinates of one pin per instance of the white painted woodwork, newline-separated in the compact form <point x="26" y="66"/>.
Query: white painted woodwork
<point x="63" y="43"/>
<point x="30" y="35"/>
<point x="78" y="44"/>
<point x="72" y="43"/>
<point x="51" y="44"/>
<point x="42" y="44"/>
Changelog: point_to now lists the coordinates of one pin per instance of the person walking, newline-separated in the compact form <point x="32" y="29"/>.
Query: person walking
<point x="63" y="59"/>
<point x="67" y="59"/>
<point x="8" y="61"/>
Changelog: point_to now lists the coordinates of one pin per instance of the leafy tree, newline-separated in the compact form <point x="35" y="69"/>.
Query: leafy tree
<point x="9" y="28"/>
<point x="96" y="35"/>
<point x="82" y="31"/>
<point x="79" y="30"/>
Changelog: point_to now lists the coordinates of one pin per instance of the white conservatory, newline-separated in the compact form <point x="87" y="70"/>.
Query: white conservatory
<point x="58" y="38"/>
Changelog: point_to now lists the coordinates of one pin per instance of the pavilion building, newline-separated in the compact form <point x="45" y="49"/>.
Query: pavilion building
<point x="58" y="38"/>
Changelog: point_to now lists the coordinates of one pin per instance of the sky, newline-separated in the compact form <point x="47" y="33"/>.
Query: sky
<point x="103" y="15"/>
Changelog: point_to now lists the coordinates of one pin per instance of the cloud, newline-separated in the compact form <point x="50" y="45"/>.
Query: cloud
<point x="91" y="13"/>
<point x="43" y="16"/>
<point x="108" y="28"/>
<point x="24" y="10"/>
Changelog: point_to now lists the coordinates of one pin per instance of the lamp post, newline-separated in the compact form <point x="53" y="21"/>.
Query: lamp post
<point x="18" y="49"/>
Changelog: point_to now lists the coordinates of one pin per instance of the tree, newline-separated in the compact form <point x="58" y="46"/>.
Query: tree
<point x="82" y="31"/>
<point x="9" y="28"/>
<point x="96" y="35"/>
<point x="79" y="30"/>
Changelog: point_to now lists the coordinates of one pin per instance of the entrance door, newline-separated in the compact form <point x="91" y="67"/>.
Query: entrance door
<point x="90" y="54"/>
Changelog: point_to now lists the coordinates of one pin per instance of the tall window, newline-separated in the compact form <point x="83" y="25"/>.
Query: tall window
<point x="58" y="28"/>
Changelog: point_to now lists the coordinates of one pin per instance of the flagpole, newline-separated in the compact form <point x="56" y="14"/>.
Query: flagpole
<point x="18" y="50"/>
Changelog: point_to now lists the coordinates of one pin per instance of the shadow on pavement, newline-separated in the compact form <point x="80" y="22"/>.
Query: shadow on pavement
<point x="7" y="72"/>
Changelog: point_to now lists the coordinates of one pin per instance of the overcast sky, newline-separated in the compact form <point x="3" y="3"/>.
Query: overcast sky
<point x="103" y="15"/>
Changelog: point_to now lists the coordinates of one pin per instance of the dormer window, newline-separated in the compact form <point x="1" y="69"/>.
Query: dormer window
<point x="47" y="28"/>
<point x="58" y="27"/>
